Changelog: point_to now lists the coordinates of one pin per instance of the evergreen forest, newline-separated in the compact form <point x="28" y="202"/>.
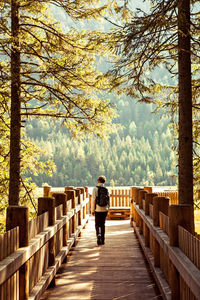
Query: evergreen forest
<point x="139" y="153"/>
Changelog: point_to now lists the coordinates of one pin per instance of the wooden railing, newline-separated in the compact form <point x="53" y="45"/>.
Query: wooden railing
<point x="32" y="252"/>
<point x="119" y="197"/>
<point x="26" y="271"/>
<point x="166" y="234"/>
<point x="173" y="196"/>
<point x="119" y="203"/>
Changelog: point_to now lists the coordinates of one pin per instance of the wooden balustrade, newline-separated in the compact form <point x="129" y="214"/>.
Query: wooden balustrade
<point x="164" y="230"/>
<point x="164" y="222"/>
<point x="172" y="195"/>
<point x="169" y="244"/>
<point x="119" y="197"/>
<point x="119" y="203"/>
<point x="9" y="289"/>
<point x="35" y="250"/>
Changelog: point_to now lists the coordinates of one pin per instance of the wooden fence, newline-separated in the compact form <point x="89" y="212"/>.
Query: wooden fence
<point x="166" y="235"/>
<point x="9" y="243"/>
<point x="172" y="251"/>
<point x="26" y="272"/>
<point x="173" y="196"/>
<point x="119" y="203"/>
<point x="119" y="197"/>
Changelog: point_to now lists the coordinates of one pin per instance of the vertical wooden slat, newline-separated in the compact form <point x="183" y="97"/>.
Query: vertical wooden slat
<point x="112" y="198"/>
<point x="8" y="286"/>
<point x="17" y="273"/>
<point x="117" y="199"/>
<point x="190" y="245"/>
<point x="4" y="255"/>
<point x="8" y="244"/>
<point x="12" y="245"/>
<point x="198" y="251"/>
<point x="126" y="198"/>
<point x="123" y="198"/>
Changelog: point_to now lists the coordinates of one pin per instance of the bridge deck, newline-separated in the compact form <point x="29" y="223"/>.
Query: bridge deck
<point x="116" y="270"/>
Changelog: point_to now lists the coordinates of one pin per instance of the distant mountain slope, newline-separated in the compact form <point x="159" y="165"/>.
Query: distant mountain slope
<point x="138" y="154"/>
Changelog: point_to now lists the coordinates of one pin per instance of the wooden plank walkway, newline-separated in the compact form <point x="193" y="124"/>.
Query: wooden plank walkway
<point x="116" y="270"/>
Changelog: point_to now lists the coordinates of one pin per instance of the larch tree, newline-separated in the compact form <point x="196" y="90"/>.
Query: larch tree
<point x="48" y="72"/>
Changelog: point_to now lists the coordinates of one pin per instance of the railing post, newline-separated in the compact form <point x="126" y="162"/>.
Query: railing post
<point x="71" y="195"/>
<point x="18" y="216"/>
<point x="46" y="190"/>
<point x="160" y="204"/>
<point x="148" y="200"/>
<point x="133" y="193"/>
<point x="83" y="209"/>
<point x="69" y="188"/>
<point x="78" y="194"/>
<point x="131" y="212"/>
<point x="148" y="189"/>
<point x="48" y="204"/>
<point x="79" y="215"/>
<point x="61" y="198"/>
<point x="86" y="195"/>
<point x="134" y="214"/>
<point x="137" y="190"/>
<point x="141" y="196"/>
<point x="131" y="205"/>
<point x="182" y="215"/>
<point x="90" y="204"/>
<point x="76" y="214"/>
<point x="82" y="189"/>
<point x="86" y="191"/>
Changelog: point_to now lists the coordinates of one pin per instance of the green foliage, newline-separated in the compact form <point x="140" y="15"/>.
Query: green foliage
<point x="30" y="162"/>
<point x="59" y="79"/>
<point x="139" y="154"/>
<point x="145" y="47"/>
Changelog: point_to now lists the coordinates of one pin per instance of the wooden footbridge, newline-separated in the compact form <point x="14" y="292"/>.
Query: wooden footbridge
<point x="55" y="255"/>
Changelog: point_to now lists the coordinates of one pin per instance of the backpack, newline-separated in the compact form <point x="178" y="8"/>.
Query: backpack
<point x="102" y="199"/>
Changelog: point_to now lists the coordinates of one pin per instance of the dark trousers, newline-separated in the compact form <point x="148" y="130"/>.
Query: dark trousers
<point x="100" y="218"/>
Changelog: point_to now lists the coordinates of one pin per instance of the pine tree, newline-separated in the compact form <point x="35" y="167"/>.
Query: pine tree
<point x="52" y="74"/>
<point x="157" y="37"/>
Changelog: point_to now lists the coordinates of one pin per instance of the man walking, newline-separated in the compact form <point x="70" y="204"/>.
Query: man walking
<point x="100" y="205"/>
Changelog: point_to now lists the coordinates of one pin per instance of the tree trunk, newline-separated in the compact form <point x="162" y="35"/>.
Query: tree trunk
<point x="185" y="105"/>
<point x="15" y="127"/>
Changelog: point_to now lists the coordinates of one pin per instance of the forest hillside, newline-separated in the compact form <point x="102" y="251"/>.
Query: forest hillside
<point x="138" y="154"/>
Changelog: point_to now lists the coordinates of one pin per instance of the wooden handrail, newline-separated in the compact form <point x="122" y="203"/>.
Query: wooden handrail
<point x="34" y="254"/>
<point x="177" y="264"/>
<point x="169" y="258"/>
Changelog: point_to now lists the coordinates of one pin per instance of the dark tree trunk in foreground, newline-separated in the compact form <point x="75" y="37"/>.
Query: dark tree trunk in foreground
<point x="185" y="105"/>
<point x="15" y="127"/>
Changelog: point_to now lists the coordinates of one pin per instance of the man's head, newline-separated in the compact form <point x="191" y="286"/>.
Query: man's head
<point x="101" y="179"/>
